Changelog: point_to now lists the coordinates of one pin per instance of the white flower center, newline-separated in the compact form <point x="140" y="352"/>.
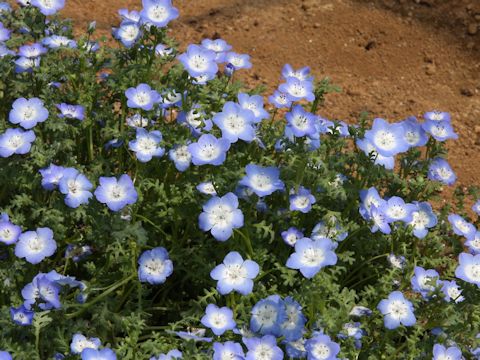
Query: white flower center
<point x="154" y="266"/>
<point x="439" y="130"/>
<point x="412" y="137"/>
<point x="398" y="309"/>
<point x="291" y="238"/>
<point x="47" y="3"/>
<point x="130" y="32"/>
<point x="219" y="320"/>
<point x="235" y="274"/>
<point x="396" y="211"/>
<point x="261" y="181"/>
<point x="266" y="315"/>
<point x="321" y="351"/>
<point x="301" y="201"/>
<point x="385" y="139"/>
<point x="292" y="317"/>
<point x="437" y="116"/>
<point x="6" y="234"/>
<point x="312" y="256"/>
<point x="462" y="226"/>
<point x="235" y="123"/>
<point x="15" y="141"/>
<point x="198" y="62"/>
<point x="182" y="154"/>
<point x="73" y="187"/>
<point x="147" y="144"/>
<point x="36" y="244"/>
<point x="209" y="151"/>
<point x="297" y="90"/>
<point x="420" y="219"/>
<point x="221" y="215"/>
<point x="157" y="13"/>
<point x="300" y="122"/>
<point x="29" y="113"/>
<point x="142" y="98"/>
<point x="263" y="352"/>
<point x="116" y="192"/>
<point x="473" y="272"/>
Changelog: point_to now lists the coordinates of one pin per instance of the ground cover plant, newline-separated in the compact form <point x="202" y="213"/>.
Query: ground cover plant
<point x="152" y="207"/>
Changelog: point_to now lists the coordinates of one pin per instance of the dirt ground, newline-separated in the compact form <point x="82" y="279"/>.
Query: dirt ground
<point x="393" y="58"/>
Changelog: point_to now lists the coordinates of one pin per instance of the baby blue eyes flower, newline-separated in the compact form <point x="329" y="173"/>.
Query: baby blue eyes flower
<point x="436" y="116"/>
<point x="280" y="100"/>
<point x="368" y="198"/>
<point x="81" y="342"/>
<point x="476" y="207"/>
<point x="35" y="246"/>
<point x="369" y="149"/>
<point x="321" y="347"/>
<point x="297" y="89"/>
<point x="388" y="139"/>
<point x="473" y="244"/>
<point x="219" y="320"/>
<point x="116" y="194"/>
<point x="158" y="12"/>
<point x="71" y="111"/>
<point x="76" y="187"/>
<point x="311" y="256"/>
<point x="239" y="61"/>
<point x="209" y="150"/>
<point x="263" y="181"/>
<point x="440" y="352"/>
<point x="424" y="281"/>
<point x="397" y="311"/>
<point x="331" y="229"/>
<point x="264" y="348"/>
<point x="468" y="268"/>
<point x="128" y="33"/>
<point x="300" y="122"/>
<point x="380" y="220"/>
<point x="129" y="16"/>
<point x="440" y="170"/>
<point x="48" y="7"/>
<point x="51" y="176"/>
<point x="462" y="227"/>
<point x="302" y="201"/>
<point x="9" y="232"/>
<point x="235" y="274"/>
<point x="171" y="355"/>
<point x="142" y="97"/>
<point x="293" y="326"/>
<point x="452" y="291"/>
<point x="163" y="51"/>
<point x="397" y="210"/>
<point x="154" y="266"/>
<point x="254" y="103"/>
<point x="146" y="145"/>
<point x="206" y="188"/>
<point x="414" y="134"/>
<point x="228" y="351"/>
<point x="268" y="315"/>
<point x="24" y="64"/>
<point x="440" y="130"/>
<point x="181" y="157"/>
<point x="220" y="216"/>
<point x="199" y="61"/>
<point x="4" y="33"/>
<point x="235" y="123"/>
<point x="32" y="51"/>
<point x="423" y="218"/>
<point x="94" y="354"/>
<point x="291" y="236"/>
<point x="57" y="41"/>
<point x="302" y="74"/>
<point x="4" y="355"/>
<point x="28" y="112"/>
<point x="21" y="316"/>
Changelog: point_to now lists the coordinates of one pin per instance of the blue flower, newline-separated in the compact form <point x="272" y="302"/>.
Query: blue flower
<point x="32" y="50"/>
<point x="209" y="150"/>
<point x="128" y="33"/>
<point x="76" y="187"/>
<point x="146" y="145"/>
<point x="440" y="130"/>
<point x="321" y="347"/>
<point x="43" y="288"/>
<point x="295" y="349"/>
<point x="158" y="12"/>
<point x="263" y="181"/>
<point x="194" y="334"/>
<point x="297" y="90"/>
<point x="302" y="200"/>
<point x="199" y="61"/>
<point x="94" y="354"/>
<point x="388" y="162"/>
<point x="219" y="320"/>
<point x="254" y="103"/>
<point x="473" y="244"/>
<point x="162" y="50"/>
<point x="263" y="348"/>
<point x="4" y="355"/>
<point x="235" y="274"/>
<point x="28" y="112"/>
<point x="217" y="45"/>
<point x="468" y="268"/>
<point x="300" y="122"/>
<point x="71" y="111"/>
<point x="311" y="256"/>
<point x="181" y="157"/>
<point x="239" y="61"/>
<point x="116" y="194"/>
<point x="452" y="291"/>
<point x="440" y="170"/>
<point x="24" y="64"/>
<point x="440" y="352"/>
<point x="293" y="326"/>
<point x="206" y="188"/>
<point x="423" y="219"/>
<point x="4" y="33"/>
<point x="51" y="176"/>
<point x="9" y="232"/>
<point x="171" y="355"/>
<point x="48" y="7"/>
<point x="35" y="246"/>
<point x="396" y="209"/>
<point x="58" y="41"/>
<point x="380" y="220"/>
<point x="81" y="342"/>
<point x="291" y="236"/>
<point x="368" y="198"/>
<point x="280" y="100"/>
<point x="268" y="315"/>
<point x="462" y="227"/>
<point x="220" y="216"/>
<point x="21" y="316"/>
<point x="413" y="132"/>
<point x="302" y="74"/>
<point x="142" y="97"/>
<point x="360" y="311"/>
<point x="228" y="350"/>
<point x="436" y="116"/>
<point x="397" y="311"/>
<point x="129" y="16"/>
<point x="235" y="122"/>
<point x="154" y="266"/>
<point x="5" y="8"/>
<point x="424" y="281"/>
<point x="397" y="262"/>
<point x="4" y="51"/>
<point x="331" y="229"/>
<point x="388" y="139"/>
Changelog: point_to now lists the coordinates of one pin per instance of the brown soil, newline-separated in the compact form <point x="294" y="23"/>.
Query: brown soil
<point x="393" y="58"/>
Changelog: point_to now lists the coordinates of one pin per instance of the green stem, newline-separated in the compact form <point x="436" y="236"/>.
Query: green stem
<point x="247" y="242"/>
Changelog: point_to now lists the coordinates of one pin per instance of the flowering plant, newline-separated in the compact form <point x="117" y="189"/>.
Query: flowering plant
<point x="152" y="207"/>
